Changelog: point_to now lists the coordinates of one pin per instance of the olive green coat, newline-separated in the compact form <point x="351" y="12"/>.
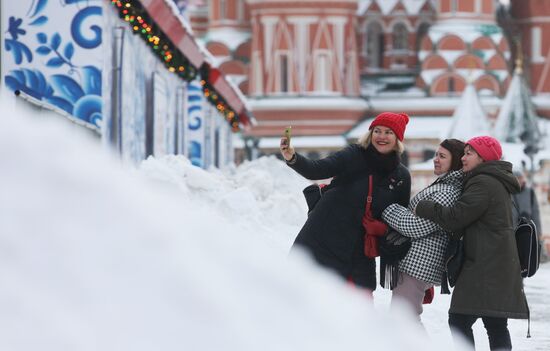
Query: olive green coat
<point x="490" y="282"/>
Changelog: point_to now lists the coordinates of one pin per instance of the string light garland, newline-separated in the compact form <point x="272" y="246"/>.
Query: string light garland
<point x="132" y="12"/>
<point x="137" y="18"/>
<point x="215" y="99"/>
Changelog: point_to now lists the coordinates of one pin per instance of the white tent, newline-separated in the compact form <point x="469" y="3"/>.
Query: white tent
<point x="469" y="119"/>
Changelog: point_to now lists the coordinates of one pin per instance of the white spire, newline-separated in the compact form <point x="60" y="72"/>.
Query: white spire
<point x="469" y="119"/>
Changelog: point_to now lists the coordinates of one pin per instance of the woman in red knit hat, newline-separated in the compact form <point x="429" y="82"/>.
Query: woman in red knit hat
<point x="341" y="230"/>
<point x="489" y="285"/>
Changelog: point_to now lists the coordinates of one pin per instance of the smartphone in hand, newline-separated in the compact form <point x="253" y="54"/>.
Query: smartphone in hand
<point x="288" y="133"/>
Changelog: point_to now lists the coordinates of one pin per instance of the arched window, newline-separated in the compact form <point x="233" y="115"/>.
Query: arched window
<point x="477" y="7"/>
<point x="323" y="81"/>
<point x="454" y="6"/>
<point x="400" y="37"/>
<point x="375" y="45"/>
<point x="223" y="9"/>
<point x="240" y="10"/>
<point x="283" y="71"/>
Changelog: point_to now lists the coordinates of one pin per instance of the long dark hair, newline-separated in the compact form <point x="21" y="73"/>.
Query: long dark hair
<point x="456" y="148"/>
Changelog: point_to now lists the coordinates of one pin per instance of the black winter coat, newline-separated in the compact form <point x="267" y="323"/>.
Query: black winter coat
<point x="333" y="232"/>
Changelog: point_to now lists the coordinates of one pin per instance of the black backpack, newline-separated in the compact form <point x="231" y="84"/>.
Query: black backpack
<point x="528" y="245"/>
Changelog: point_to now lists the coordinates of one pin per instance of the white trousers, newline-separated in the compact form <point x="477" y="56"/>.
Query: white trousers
<point x="410" y="291"/>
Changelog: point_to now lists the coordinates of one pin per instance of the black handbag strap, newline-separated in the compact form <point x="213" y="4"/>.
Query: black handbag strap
<point x="517" y="209"/>
<point x="531" y="198"/>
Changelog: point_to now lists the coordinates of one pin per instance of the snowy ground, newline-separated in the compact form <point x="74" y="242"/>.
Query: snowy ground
<point x="95" y="255"/>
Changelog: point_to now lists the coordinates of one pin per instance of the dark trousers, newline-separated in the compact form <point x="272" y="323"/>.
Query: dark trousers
<point x="497" y="330"/>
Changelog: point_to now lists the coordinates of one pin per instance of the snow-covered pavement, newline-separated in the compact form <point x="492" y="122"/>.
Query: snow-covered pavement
<point x="95" y="255"/>
<point x="538" y="295"/>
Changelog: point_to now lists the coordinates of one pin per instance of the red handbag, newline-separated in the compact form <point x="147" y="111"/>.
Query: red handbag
<point x="373" y="228"/>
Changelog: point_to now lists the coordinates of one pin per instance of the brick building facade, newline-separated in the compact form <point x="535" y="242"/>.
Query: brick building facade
<point x="322" y="66"/>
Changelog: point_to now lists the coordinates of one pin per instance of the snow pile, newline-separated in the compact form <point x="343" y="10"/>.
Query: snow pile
<point x="264" y="193"/>
<point x="94" y="257"/>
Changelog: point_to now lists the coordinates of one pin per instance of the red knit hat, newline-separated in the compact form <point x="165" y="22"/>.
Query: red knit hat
<point x="394" y="121"/>
<point x="488" y="148"/>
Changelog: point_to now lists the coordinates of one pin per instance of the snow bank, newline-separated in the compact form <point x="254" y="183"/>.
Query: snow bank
<point x="94" y="256"/>
<point x="262" y="194"/>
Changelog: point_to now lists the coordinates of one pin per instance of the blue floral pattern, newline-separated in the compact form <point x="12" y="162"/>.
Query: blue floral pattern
<point x="72" y="88"/>
<point x="59" y="58"/>
<point x="13" y="27"/>
<point x="76" y="28"/>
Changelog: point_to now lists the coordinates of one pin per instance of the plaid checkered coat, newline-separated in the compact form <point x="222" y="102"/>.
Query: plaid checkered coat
<point x="424" y="261"/>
